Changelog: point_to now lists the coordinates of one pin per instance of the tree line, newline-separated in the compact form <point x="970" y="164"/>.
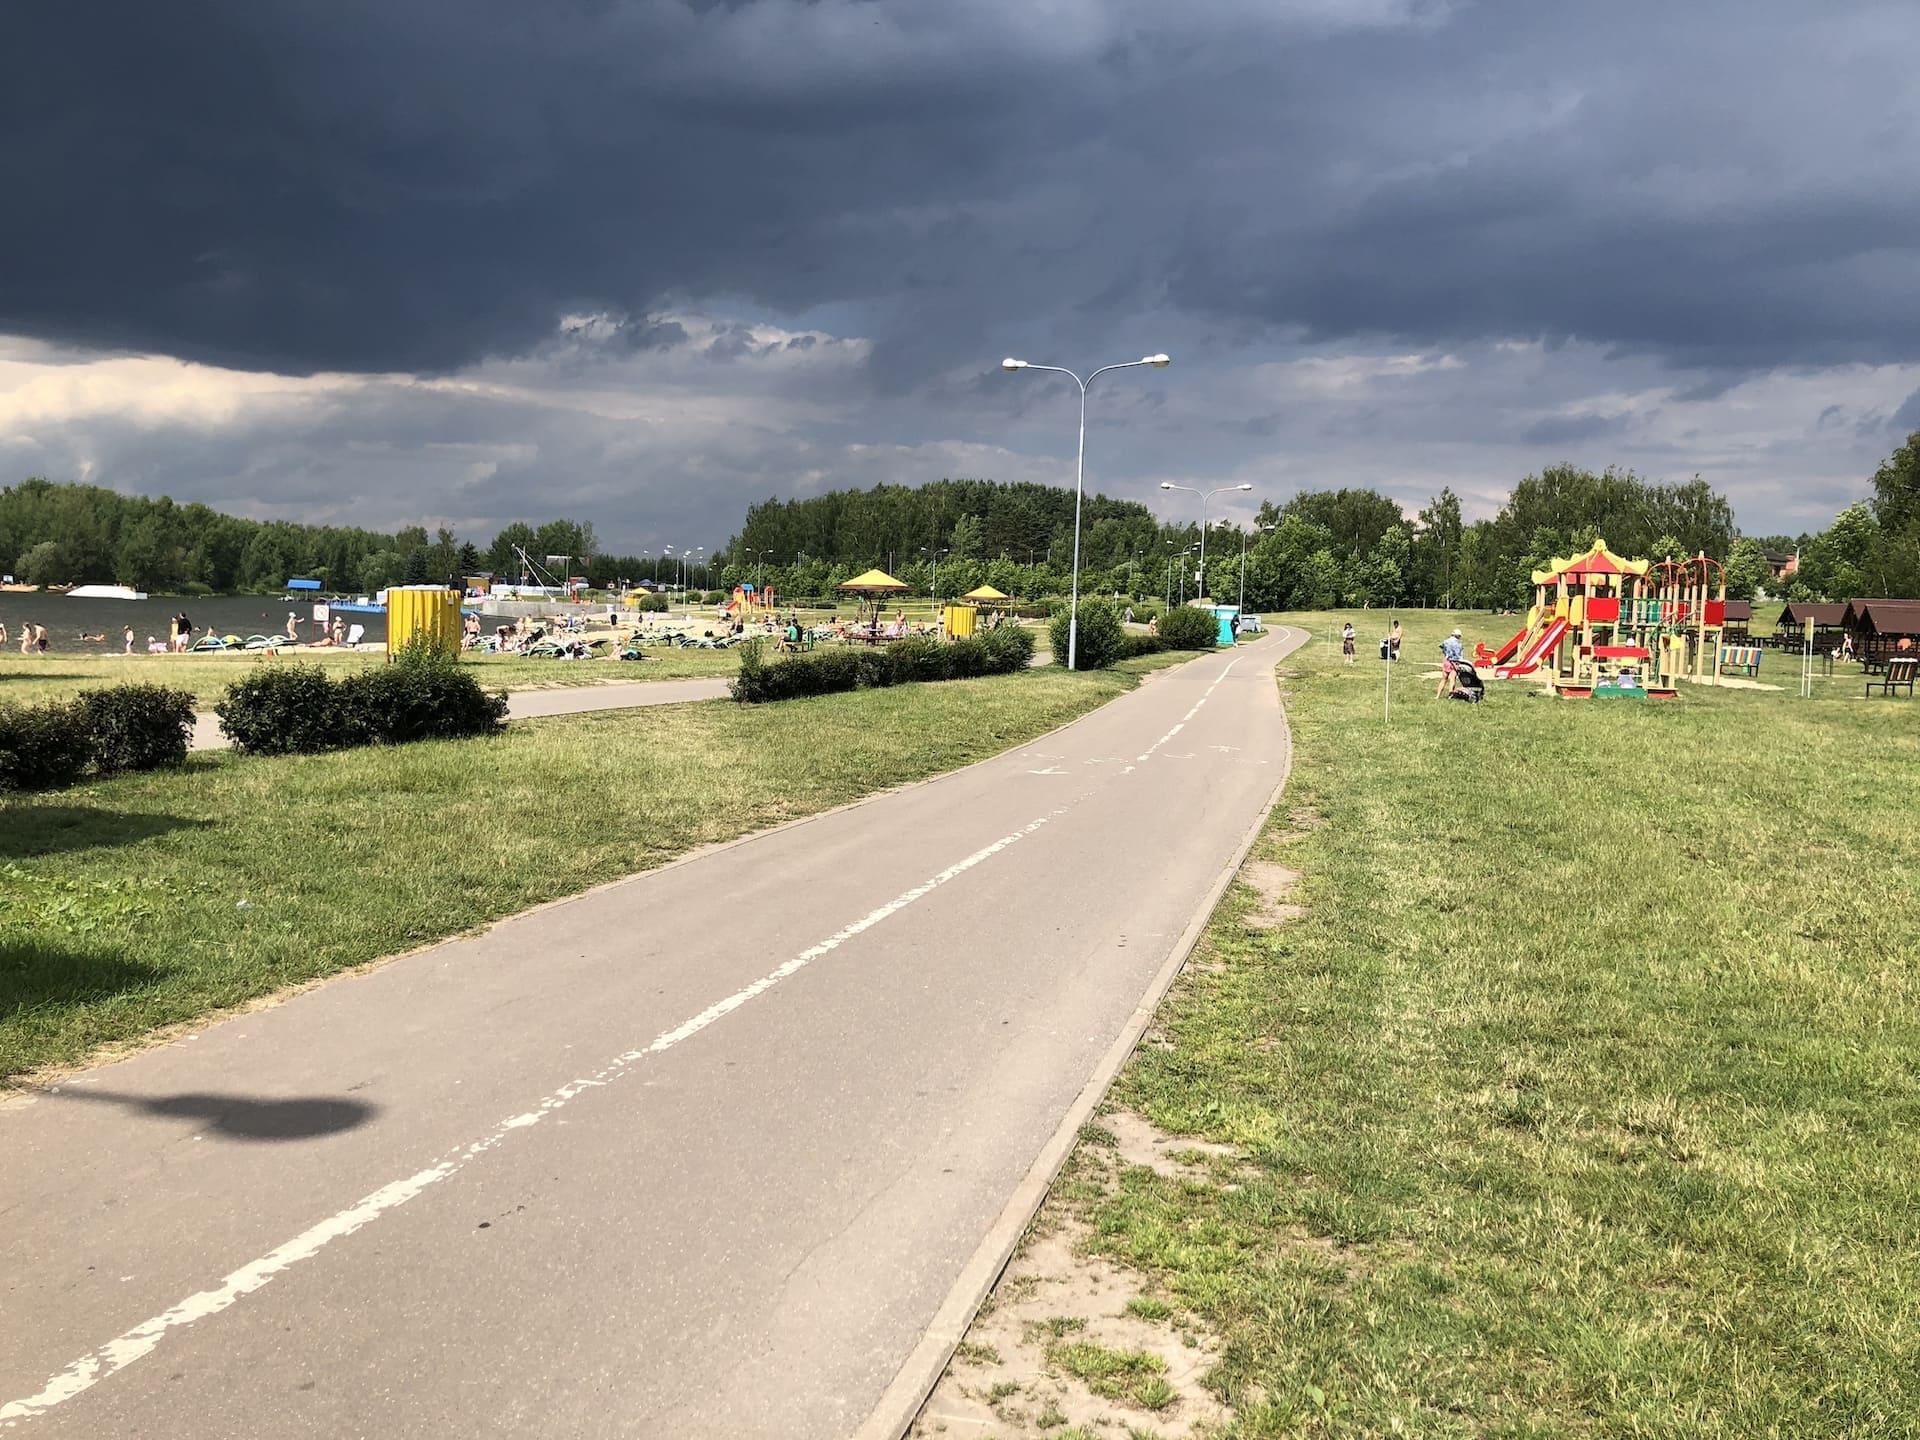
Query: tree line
<point x="1316" y="550"/>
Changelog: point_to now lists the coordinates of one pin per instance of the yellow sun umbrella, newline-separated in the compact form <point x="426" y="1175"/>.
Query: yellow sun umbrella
<point x="986" y="595"/>
<point x="874" y="582"/>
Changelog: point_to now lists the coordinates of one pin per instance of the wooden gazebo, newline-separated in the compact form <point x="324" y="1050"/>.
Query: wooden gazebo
<point x="1826" y="616"/>
<point x="1879" y="628"/>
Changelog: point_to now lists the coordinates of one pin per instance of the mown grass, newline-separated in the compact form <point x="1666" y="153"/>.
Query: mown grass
<point x="121" y="903"/>
<point x="1583" y="1099"/>
<point x="28" y="679"/>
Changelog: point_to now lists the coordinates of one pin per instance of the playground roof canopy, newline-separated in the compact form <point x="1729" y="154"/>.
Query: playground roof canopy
<point x="874" y="582"/>
<point x="1597" y="561"/>
<point x="986" y="593"/>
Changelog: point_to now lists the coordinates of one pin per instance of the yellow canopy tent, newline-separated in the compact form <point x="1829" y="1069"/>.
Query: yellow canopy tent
<point x="986" y="595"/>
<point x="875" y="585"/>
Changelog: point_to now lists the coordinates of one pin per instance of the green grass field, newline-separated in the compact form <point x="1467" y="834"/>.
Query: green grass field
<point x="120" y="901"/>
<point x="27" y="679"/>
<point x="1583" y="1098"/>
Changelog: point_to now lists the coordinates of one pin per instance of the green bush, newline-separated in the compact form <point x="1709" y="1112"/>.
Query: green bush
<point x="286" y="710"/>
<point x="1102" y="639"/>
<point x="424" y="694"/>
<point x="1187" y="628"/>
<point x="648" y="603"/>
<point x="1142" y="645"/>
<point x="825" y="672"/>
<point x="137" y="727"/>
<point x="42" y="747"/>
<point x="100" y="732"/>
<point x="1009" y="648"/>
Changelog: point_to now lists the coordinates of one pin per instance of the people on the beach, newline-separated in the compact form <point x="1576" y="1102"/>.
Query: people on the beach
<point x="26" y="637"/>
<point x="156" y="647"/>
<point x="40" y="638"/>
<point x="293" y="626"/>
<point x="182" y="635"/>
<point x="126" y="641"/>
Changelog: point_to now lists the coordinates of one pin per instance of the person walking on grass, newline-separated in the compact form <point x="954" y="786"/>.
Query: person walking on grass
<point x="1393" y="641"/>
<point x="1346" y="642"/>
<point x="1452" y="652"/>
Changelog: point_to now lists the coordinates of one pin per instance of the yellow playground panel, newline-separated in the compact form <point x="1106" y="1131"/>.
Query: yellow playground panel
<point x="431" y="612"/>
<point x="961" y="620"/>
<point x="1606" y="627"/>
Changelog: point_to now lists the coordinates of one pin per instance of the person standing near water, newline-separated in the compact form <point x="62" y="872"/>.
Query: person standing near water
<point x="293" y="627"/>
<point x="126" y="637"/>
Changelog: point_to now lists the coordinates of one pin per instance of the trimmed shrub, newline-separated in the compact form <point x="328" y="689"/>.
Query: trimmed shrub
<point x="1102" y="640"/>
<point x="43" y="747"/>
<point x="647" y="603"/>
<point x="137" y="727"/>
<point x="422" y="695"/>
<point x="297" y="710"/>
<point x="285" y="710"/>
<point x="1009" y="648"/>
<point x="1186" y="628"/>
<point x="99" y="732"/>
<point x="823" y="672"/>
<point x="1143" y="645"/>
<point x="919" y="658"/>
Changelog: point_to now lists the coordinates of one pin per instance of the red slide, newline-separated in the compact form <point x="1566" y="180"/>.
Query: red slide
<point x="1484" y="656"/>
<point x="1530" y="661"/>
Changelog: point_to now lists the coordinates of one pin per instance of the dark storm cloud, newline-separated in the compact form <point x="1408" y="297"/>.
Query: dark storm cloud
<point x="372" y="185"/>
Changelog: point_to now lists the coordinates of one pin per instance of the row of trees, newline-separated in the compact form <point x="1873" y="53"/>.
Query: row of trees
<point x="1316" y="550"/>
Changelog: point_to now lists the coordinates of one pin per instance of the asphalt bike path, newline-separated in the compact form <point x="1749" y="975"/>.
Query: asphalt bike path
<point x="700" y="1153"/>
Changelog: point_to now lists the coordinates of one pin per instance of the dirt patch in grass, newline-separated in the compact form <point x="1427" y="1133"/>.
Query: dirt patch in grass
<point x="1072" y="1340"/>
<point x="1271" y="883"/>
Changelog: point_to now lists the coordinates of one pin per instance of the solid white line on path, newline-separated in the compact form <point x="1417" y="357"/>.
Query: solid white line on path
<point x="145" y="1337"/>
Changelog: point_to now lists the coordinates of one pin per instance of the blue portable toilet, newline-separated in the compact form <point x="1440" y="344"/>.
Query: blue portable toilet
<point x="1225" y="614"/>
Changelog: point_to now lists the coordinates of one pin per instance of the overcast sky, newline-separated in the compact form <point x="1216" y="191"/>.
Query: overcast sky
<point x="642" y="263"/>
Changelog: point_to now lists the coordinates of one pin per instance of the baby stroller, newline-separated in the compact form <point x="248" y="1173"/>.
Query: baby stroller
<point x="1467" y="684"/>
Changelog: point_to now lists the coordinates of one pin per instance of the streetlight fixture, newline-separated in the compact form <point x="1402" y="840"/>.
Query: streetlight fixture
<point x="1243" y="568"/>
<point x="1158" y="362"/>
<point x="1205" y="496"/>
<point x="936" y="554"/>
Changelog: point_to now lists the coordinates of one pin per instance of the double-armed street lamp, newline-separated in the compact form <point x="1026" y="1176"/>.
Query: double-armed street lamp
<point x="1205" y="496"/>
<point x="1158" y="362"/>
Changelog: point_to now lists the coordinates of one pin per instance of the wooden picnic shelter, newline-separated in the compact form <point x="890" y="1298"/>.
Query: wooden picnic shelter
<point x="1826" y="616"/>
<point x="1882" y="629"/>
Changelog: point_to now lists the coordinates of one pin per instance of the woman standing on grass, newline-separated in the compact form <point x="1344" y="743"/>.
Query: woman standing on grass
<point x="1346" y="641"/>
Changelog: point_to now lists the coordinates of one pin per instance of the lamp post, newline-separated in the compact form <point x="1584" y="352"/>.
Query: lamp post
<point x="936" y="554"/>
<point x="1205" y="496"/>
<point x="1159" y="362"/>
<point x="1243" y="568"/>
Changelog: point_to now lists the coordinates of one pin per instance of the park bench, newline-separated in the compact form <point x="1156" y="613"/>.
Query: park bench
<point x="1899" y="676"/>
<point x="1741" y="657"/>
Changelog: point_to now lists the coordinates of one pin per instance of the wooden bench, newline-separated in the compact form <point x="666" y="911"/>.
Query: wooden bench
<point x="1741" y="657"/>
<point x="1899" y="675"/>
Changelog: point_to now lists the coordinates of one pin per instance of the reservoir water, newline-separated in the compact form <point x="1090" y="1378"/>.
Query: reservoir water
<point x="68" y="619"/>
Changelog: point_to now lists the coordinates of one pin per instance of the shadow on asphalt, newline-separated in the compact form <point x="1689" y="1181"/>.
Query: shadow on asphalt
<point x="28" y="830"/>
<point x="242" y="1117"/>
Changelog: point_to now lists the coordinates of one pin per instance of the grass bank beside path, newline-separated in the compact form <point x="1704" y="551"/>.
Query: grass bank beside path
<point x="1584" y="1096"/>
<point x="121" y="903"/>
<point x="29" y="679"/>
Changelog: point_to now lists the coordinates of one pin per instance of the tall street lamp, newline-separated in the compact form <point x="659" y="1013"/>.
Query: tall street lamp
<point x="1159" y="362"/>
<point x="1205" y="496"/>
<point x="1243" y="568"/>
<point x="936" y="554"/>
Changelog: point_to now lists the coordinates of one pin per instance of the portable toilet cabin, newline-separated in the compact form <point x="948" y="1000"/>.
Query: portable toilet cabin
<point x="1225" y="615"/>
<point x="427" y="612"/>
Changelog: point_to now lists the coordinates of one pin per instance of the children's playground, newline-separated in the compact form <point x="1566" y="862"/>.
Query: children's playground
<point x="1605" y="627"/>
